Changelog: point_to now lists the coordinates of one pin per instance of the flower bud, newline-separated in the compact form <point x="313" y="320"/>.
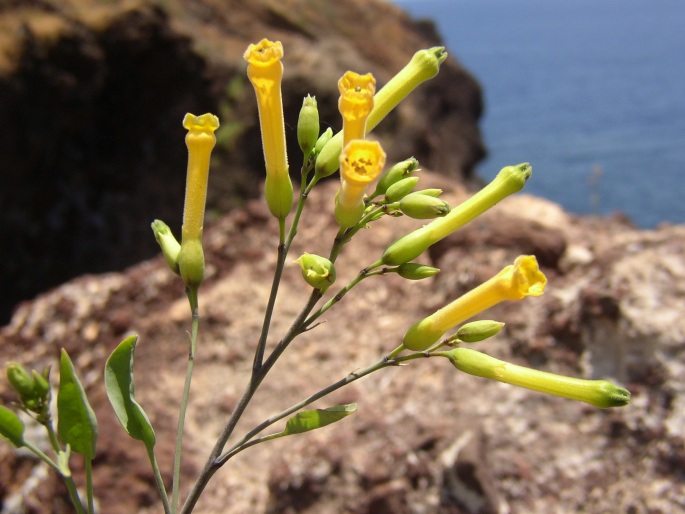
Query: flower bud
<point x="510" y="179"/>
<point x="168" y="243"/>
<point x="308" y="125"/>
<point x="400" y="189"/>
<point x="415" y="271"/>
<point x="480" y="330"/>
<point x="317" y="271"/>
<point x="430" y="192"/>
<point x="394" y="174"/>
<point x="41" y="385"/>
<point x="20" y="380"/>
<point x="323" y="139"/>
<point x="423" y="207"/>
<point x="600" y="393"/>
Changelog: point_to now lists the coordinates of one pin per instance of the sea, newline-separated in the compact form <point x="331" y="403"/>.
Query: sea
<point x="590" y="92"/>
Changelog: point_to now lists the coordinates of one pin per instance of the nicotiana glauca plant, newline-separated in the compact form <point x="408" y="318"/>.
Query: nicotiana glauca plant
<point x="356" y="205"/>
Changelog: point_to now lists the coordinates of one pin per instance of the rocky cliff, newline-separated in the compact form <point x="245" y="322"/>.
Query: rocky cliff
<point x="426" y="438"/>
<point x="92" y="94"/>
<point x="99" y="148"/>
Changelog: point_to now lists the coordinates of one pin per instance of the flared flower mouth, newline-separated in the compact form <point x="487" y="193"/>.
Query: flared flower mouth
<point x="362" y="161"/>
<point x="523" y="278"/>
<point x="205" y="123"/>
<point x="356" y="95"/>
<point x="265" y="53"/>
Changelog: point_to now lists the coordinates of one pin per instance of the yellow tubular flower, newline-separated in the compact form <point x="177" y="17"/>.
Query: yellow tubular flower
<point x="355" y="104"/>
<point x="514" y="282"/>
<point x="200" y="141"/>
<point x="265" y="72"/>
<point x="424" y="65"/>
<point x="361" y="162"/>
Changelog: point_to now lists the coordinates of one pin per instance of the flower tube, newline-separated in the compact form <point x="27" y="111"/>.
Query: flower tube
<point x="200" y="141"/>
<point x="514" y="282"/>
<point x="362" y="161"/>
<point x="265" y="72"/>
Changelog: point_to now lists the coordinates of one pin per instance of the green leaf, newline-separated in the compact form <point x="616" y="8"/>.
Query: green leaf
<point x="76" y="422"/>
<point x="313" y="419"/>
<point x="11" y="427"/>
<point x="119" y="385"/>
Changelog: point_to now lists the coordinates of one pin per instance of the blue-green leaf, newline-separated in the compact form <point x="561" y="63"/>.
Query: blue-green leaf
<point x="76" y="422"/>
<point x="317" y="418"/>
<point x="119" y="385"/>
<point x="11" y="427"/>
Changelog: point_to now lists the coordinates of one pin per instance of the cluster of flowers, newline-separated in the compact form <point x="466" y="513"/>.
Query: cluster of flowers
<point x="361" y="162"/>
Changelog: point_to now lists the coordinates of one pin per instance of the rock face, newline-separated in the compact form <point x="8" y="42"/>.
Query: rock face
<point x="426" y="438"/>
<point x="92" y="95"/>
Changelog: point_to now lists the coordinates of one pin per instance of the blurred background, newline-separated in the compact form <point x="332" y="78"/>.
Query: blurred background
<point x="591" y="93"/>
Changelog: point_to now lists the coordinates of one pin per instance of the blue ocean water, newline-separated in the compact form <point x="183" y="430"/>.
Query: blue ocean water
<point x="590" y="92"/>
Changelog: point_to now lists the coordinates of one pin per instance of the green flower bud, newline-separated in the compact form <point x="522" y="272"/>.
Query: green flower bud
<point x="11" y="427"/>
<point x="430" y="192"/>
<point x="400" y="189"/>
<point x="328" y="158"/>
<point x="394" y="174"/>
<point x="317" y="271"/>
<point x="323" y="139"/>
<point x="41" y="383"/>
<point x="415" y="271"/>
<point x="20" y="380"/>
<point x="423" y="207"/>
<point x="510" y="179"/>
<point x="600" y="393"/>
<point x="308" y="125"/>
<point x="168" y="243"/>
<point x="477" y="331"/>
<point x="191" y="262"/>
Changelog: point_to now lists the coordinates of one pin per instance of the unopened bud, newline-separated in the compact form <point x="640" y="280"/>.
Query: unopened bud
<point x="323" y="139"/>
<point x="480" y="330"/>
<point x="400" y="189"/>
<point x="168" y="243"/>
<point x="41" y="386"/>
<point x="423" y="207"/>
<point x="308" y="125"/>
<point x="394" y="174"/>
<point x="600" y="393"/>
<point x="317" y="271"/>
<point x="416" y="271"/>
<point x="20" y="380"/>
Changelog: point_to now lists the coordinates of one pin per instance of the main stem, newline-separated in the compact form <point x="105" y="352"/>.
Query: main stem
<point x="192" y="298"/>
<point x="259" y="367"/>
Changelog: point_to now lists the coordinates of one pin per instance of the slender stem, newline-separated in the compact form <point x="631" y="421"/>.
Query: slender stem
<point x="245" y="442"/>
<point x="158" y="479"/>
<point x="52" y="436"/>
<point x="338" y="296"/>
<point x="89" y="485"/>
<point x="211" y="465"/>
<point x="68" y="480"/>
<point x="192" y="298"/>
